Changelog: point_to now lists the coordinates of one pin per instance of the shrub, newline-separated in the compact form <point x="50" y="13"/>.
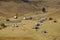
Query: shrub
<point x="25" y="0"/>
<point x="7" y="20"/>
<point x="3" y="25"/>
<point x="43" y="10"/>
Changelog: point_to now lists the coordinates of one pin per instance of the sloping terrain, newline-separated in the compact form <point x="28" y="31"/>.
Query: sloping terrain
<point x="12" y="7"/>
<point x="25" y="32"/>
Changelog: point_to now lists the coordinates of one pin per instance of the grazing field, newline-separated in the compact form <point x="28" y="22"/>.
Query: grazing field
<point x="25" y="30"/>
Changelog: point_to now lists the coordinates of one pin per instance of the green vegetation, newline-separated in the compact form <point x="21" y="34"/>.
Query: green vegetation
<point x="43" y="9"/>
<point x="2" y="25"/>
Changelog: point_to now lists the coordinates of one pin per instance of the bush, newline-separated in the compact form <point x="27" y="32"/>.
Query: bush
<point x="7" y="20"/>
<point x="3" y="25"/>
<point x="43" y="10"/>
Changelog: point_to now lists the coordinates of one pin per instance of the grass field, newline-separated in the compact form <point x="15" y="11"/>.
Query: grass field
<point x="25" y="31"/>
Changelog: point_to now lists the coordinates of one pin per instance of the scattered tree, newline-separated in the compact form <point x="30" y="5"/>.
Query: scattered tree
<point x="43" y="9"/>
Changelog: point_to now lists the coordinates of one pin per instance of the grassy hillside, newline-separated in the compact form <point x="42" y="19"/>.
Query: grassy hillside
<point x="10" y="8"/>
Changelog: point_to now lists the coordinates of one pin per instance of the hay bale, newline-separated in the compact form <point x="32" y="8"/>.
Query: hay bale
<point x="7" y="19"/>
<point x="37" y="24"/>
<point x="50" y="18"/>
<point x="54" y="21"/>
<point x="27" y="18"/>
<point x="15" y="17"/>
<point x="43" y="31"/>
